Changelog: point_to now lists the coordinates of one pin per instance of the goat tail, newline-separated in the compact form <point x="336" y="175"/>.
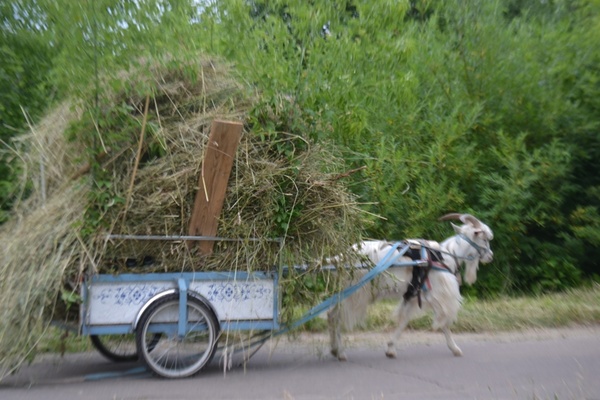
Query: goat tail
<point x="444" y="298"/>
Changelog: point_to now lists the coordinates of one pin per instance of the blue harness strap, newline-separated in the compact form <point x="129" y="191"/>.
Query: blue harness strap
<point x="388" y="260"/>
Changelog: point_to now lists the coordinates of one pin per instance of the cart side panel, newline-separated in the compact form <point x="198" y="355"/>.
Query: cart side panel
<point x="118" y="303"/>
<point x="117" y="300"/>
<point x="235" y="300"/>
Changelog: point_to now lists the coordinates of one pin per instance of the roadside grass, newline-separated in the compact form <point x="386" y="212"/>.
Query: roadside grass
<point x="574" y="307"/>
<point x="60" y="340"/>
<point x="570" y="308"/>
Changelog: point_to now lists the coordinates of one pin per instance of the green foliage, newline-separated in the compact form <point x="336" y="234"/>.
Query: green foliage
<point x="483" y="107"/>
<point x="56" y="340"/>
<point x="555" y="275"/>
<point x="101" y="198"/>
<point x="25" y="93"/>
<point x="303" y="291"/>
<point x="280" y="123"/>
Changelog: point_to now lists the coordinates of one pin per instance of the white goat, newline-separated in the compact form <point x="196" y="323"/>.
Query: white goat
<point x="440" y="292"/>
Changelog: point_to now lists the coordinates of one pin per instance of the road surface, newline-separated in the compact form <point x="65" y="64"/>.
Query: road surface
<point x="546" y="364"/>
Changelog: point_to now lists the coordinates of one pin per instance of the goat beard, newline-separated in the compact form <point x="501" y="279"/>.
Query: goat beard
<point x="471" y="267"/>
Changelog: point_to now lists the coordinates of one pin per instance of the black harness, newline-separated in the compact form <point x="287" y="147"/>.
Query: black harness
<point x="420" y="273"/>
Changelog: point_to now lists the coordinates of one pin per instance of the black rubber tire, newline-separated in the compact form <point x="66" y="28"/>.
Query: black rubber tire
<point x="172" y="356"/>
<point x="117" y="348"/>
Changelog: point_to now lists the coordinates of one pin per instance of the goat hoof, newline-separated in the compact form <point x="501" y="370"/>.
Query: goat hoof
<point x="340" y="356"/>
<point x="457" y="352"/>
<point x="390" y="354"/>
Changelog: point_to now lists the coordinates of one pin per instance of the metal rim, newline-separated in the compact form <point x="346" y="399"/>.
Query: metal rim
<point x="174" y="356"/>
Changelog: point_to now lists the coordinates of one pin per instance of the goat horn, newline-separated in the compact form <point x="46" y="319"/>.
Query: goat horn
<point x="464" y="218"/>
<point x="468" y="217"/>
<point x="448" y="217"/>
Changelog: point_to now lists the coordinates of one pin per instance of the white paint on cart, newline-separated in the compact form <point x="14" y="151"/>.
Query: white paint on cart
<point x="116" y="303"/>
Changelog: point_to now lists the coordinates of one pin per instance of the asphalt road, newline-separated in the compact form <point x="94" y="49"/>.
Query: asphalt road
<point x="549" y="364"/>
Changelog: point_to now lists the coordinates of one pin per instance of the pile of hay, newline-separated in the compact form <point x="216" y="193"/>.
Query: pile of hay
<point x="282" y="186"/>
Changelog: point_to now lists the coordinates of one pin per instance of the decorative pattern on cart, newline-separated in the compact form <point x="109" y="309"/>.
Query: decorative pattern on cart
<point x="231" y="291"/>
<point x="134" y="294"/>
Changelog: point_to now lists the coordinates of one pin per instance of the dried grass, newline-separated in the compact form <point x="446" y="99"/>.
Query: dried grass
<point x="281" y="185"/>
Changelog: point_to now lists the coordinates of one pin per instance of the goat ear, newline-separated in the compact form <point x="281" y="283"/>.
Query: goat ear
<point x="488" y="233"/>
<point x="456" y="228"/>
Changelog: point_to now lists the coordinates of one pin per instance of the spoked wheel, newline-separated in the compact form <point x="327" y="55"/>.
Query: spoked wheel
<point x="175" y="355"/>
<point x="120" y="348"/>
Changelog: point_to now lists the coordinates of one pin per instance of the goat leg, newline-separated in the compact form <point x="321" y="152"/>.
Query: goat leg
<point x="335" y="334"/>
<point x="451" y="343"/>
<point x="404" y="313"/>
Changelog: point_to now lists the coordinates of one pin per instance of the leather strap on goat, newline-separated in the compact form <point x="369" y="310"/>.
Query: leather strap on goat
<point x="420" y="274"/>
<point x="419" y="277"/>
<point x="480" y="250"/>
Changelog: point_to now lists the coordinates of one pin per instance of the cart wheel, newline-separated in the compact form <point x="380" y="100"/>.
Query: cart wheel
<point x="174" y="356"/>
<point x="119" y="348"/>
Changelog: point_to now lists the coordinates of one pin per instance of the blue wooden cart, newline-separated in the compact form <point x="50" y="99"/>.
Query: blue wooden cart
<point x="173" y="321"/>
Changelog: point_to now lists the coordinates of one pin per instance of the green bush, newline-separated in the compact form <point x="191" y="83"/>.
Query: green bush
<point x="488" y="107"/>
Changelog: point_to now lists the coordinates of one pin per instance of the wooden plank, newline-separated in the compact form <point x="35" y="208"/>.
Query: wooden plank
<point x="212" y="183"/>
